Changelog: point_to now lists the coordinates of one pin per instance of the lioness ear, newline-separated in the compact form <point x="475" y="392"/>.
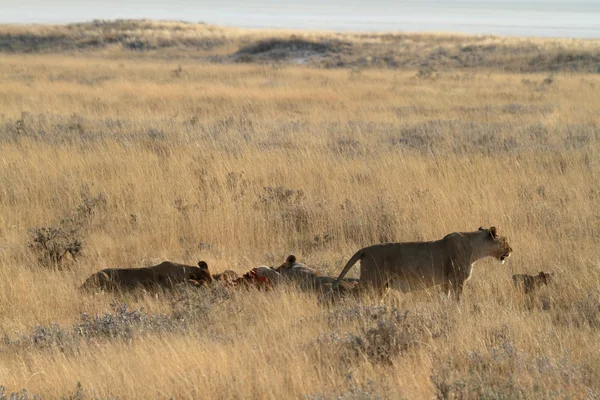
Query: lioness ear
<point x="203" y="265"/>
<point x="481" y="228"/>
<point x="494" y="232"/>
<point x="291" y="259"/>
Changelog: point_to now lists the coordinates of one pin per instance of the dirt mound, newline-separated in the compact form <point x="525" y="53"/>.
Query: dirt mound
<point x="299" y="50"/>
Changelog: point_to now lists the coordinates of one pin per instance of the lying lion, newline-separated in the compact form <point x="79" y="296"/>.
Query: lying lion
<point x="310" y="279"/>
<point x="530" y="283"/>
<point x="165" y="274"/>
<point x="418" y="265"/>
<point x="269" y="273"/>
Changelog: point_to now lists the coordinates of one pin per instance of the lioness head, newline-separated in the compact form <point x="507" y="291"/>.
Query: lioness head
<point x="499" y="244"/>
<point x="201" y="274"/>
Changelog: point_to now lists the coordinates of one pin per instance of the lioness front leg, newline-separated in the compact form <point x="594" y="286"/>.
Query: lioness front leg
<point x="456" y="272"/>
<point x="457" y="288"/>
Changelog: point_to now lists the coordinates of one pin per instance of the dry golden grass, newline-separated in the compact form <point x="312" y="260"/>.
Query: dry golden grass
<point x="242" y="165"/>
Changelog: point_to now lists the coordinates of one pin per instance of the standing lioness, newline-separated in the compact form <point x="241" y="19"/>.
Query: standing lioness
<point x="418" y="265"/>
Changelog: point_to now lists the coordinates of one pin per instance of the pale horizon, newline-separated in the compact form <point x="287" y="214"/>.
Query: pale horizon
<point x="554" y="18"/>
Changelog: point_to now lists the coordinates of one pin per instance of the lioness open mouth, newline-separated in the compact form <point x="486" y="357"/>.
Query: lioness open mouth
<point x="503" y="258"/>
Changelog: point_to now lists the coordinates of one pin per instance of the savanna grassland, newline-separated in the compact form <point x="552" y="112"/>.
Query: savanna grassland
<point x="127" y="156"/>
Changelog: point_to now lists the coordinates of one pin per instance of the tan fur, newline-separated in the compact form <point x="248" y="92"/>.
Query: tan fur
<point x="164" y="274"/>
<point x="417" y="265"/>
<point x="195" y="283"/>
<point x="309" y="278"/>
<point x="227" y="276"/>
<point x="270" y="273"/>
<point x="530" y="283"/>
<point x="296" y="271"/>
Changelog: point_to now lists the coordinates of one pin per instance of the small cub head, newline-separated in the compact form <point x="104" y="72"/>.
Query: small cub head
<point x="545" y="278"/>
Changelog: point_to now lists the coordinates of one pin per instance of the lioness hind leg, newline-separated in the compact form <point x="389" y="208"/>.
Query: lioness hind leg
<point x="447" y="290"/>
<point x="383" y="294"/>
<point x="373" y="279"/>
<point x="453" y="290"/>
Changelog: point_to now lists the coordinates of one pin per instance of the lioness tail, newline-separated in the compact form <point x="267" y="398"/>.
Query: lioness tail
<point x="357" y="256"/>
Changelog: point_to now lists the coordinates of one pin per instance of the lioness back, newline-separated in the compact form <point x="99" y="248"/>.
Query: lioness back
<point x="165" y="274"/>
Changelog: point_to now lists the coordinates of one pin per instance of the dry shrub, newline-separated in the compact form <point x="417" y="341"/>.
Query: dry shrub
<point x="52" y="244"/>
<point x="396" y="332"/>
<point x="78" y="394"/>
<point x="120" y="324"/>
<point x="502" y="371"/>
<point x="369" y="391"/>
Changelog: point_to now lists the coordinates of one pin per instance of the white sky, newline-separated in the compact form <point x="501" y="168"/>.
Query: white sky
<point x="577" y="18"/>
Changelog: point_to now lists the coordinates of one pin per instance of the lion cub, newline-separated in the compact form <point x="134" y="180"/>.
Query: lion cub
<point x="530" y="283"/>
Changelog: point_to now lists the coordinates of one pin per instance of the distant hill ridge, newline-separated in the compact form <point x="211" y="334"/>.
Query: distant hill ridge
<point x="210" y="43"/>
